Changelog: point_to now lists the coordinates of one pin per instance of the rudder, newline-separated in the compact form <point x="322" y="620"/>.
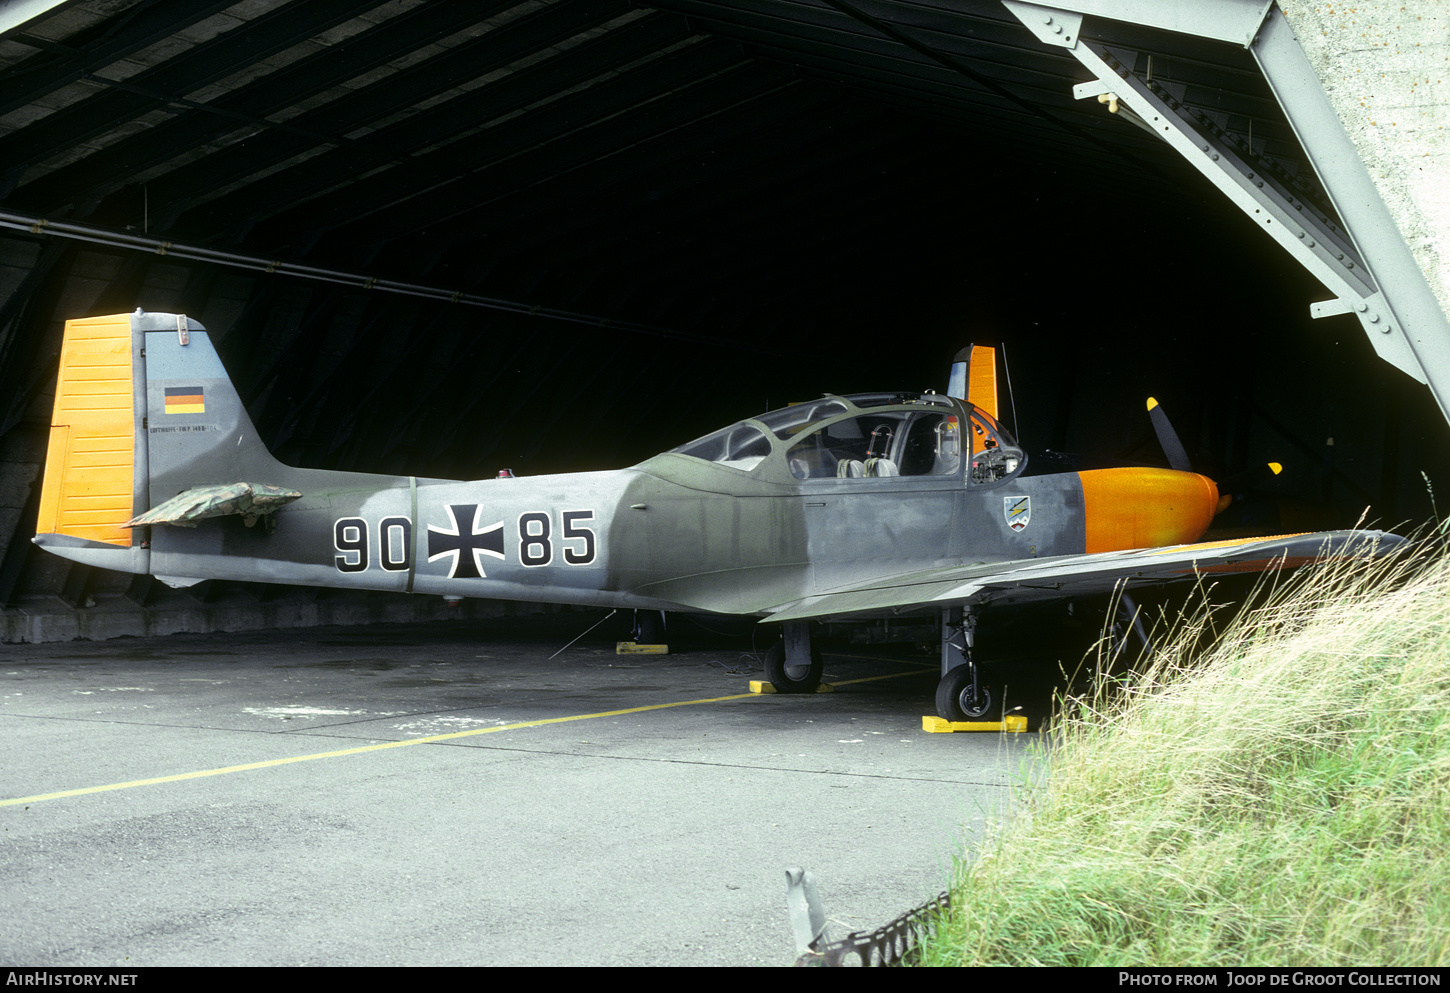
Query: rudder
<point x="91" y="471"/>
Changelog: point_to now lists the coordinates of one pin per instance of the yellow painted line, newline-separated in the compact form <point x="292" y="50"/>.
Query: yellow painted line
<point x="759" y="686"/>
<point x="871" y="658"/>
<point x="872" y="679"/>
<point x="202" y="774"/>
<point x="361" y="749"/>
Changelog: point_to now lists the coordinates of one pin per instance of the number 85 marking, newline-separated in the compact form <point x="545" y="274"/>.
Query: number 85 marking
<point x="536" y="546"/>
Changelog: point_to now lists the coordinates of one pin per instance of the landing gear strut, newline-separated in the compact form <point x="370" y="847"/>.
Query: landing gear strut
<point x="1128" y="618"/>
<point x="792" y="664"/>
<point x="961" y="695"/>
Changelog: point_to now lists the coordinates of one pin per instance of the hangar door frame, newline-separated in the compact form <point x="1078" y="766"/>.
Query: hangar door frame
<point x="1366" y="264"/>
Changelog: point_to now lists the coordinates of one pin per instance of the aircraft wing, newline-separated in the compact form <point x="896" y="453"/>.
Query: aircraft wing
<point x="1024" y="580"/>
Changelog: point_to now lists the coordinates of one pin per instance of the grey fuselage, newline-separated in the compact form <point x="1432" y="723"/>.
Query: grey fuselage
<point x="675" y="532"/>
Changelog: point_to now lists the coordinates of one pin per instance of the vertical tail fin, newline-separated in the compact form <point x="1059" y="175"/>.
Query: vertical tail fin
<point x="197" y="433"/>
<point x="143" y="411"/>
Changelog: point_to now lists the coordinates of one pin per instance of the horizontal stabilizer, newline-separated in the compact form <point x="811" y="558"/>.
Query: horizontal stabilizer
<point x="101" y="554"/>
<point x="248" y="500"/>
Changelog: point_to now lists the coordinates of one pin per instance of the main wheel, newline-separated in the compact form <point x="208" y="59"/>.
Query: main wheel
<point x="649" y="627"/>
<point x="792" y="678"/>
<point x="955" y="700"/>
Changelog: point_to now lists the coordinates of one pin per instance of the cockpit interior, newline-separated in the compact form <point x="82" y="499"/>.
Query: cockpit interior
<point x="867" y="436"/>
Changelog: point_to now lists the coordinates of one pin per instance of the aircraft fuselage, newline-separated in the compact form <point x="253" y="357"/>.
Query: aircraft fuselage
<point x="671" y="533"/>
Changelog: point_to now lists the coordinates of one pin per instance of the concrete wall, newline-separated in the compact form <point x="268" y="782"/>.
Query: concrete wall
<point x="1386" y="67"/>
<point x="240" y="607"/>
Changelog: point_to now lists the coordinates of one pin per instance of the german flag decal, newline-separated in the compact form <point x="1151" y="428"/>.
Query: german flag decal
<point x="185" y="400"/>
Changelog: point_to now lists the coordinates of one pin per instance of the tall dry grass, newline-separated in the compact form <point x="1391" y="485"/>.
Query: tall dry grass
<point x="1281" y="797"/>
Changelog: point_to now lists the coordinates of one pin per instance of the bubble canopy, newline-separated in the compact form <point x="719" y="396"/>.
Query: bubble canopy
<point x="864" y="436"/>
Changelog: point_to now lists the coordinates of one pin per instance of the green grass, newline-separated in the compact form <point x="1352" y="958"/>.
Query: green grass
<point x="1280" y="797"/>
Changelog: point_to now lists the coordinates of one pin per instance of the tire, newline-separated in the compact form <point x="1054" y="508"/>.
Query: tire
<point x="953" y="697"/>
<point x="792" y="679"/>
<point x="649" y="627"/>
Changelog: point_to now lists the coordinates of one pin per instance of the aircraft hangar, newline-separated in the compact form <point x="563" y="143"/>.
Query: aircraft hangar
<point x="444" y="238"/>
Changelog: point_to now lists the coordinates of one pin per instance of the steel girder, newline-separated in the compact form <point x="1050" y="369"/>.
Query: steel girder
<point x="1366" y="263"/>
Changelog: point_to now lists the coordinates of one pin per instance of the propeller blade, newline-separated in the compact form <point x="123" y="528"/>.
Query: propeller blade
<point x="1168" y="438"/>
<point x="1252" y="476"/>
<point x="1263" y="472"/>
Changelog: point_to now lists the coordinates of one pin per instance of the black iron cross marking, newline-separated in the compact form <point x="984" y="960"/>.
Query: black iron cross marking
<point x="477" y="543"/>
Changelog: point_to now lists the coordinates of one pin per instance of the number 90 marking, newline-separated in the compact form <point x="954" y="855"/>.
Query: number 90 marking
<point x="353" y="538"/>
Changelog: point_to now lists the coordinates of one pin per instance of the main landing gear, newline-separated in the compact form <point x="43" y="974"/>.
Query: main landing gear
<point x="961" y="695"/>
<point x="793" y="664"/>
<point x="649" y="627"/>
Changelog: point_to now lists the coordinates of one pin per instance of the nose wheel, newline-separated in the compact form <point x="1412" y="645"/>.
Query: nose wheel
<point x="962" y="696"/>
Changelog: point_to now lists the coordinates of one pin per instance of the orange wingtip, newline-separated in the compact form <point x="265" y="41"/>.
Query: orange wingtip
<point x="1227" y="543"/>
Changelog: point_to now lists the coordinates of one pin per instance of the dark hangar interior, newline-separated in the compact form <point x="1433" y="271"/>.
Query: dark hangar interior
<point x="445" y="238"/>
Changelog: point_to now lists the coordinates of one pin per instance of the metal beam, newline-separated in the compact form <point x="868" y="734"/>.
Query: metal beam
<point x="15" y="14"/>
<point x="144" y="23"/>
<point x="1365" y="265"/>
<point x="386" y="157"/>
<point x="1234" y="21"/>
<point x="161" y="86"/>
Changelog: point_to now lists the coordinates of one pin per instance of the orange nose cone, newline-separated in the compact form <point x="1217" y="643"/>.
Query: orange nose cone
<point x="1145" y="508"/>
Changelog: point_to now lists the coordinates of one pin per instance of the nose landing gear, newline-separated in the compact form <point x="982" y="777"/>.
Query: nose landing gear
<point x="961" y="695"/>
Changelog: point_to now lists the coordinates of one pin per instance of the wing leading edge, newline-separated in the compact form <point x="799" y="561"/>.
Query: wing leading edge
<point x="1025" y="580"/>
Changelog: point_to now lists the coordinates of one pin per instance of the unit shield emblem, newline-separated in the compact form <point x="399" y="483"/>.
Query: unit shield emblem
<point x="1017" y="510"/>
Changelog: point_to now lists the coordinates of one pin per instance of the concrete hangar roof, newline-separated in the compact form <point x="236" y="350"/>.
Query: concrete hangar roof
<point x="443" y="238"/>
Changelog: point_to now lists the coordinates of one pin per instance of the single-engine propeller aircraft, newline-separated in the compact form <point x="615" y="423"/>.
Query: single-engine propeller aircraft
<point x="864" y="506"/>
